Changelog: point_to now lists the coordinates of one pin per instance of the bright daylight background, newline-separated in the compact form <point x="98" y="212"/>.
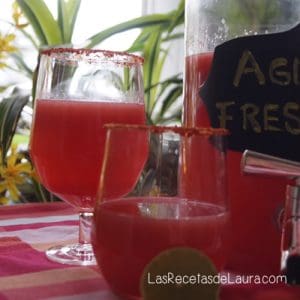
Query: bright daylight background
<point x="95" y="16"/>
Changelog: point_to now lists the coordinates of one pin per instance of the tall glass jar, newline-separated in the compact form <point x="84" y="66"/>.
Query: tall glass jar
<point x="242" y="72"/>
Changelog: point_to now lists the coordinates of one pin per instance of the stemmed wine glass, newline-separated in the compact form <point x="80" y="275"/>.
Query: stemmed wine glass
<point x="160" y="188"/>
<point x="78" y="91"/>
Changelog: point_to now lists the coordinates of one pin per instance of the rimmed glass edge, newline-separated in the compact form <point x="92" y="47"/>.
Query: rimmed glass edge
<point x="104" y="55"/>
<point x="184" y="131"/>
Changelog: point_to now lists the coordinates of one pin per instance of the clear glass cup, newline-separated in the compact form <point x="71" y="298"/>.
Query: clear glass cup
<point x="78" y="91"/>
<point x="146" y="204"/>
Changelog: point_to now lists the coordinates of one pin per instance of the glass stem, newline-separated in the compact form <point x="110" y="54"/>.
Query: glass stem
<point x="85" y="225"/>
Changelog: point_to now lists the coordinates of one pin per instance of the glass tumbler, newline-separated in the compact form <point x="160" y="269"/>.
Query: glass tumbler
<point x="146" y="204"/>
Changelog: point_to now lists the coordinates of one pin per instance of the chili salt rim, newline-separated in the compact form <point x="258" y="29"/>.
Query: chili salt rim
<point x="104" y="55"/>
<point x="184" y="131"/>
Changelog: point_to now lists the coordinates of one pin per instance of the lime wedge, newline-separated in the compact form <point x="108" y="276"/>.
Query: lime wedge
<point x="180" y="274"/>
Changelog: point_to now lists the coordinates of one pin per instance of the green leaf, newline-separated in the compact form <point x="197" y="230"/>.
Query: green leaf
<point x="33" y="21"/>
<point x="67" y="15"/>
<point x="178" y="17"/>
<point x="174" y="118"/>
<point x="175" y="36"/>
<point x="27" y="35"/>
<point x="21" y="64"/>
<point x="172" y="96"/>
<point x="20" y="139"/>
<point x="3" y="88"/>
<point x="42" y="21"/>
<point x="169" y="91"/>
<point x="41" y="193"/>
<point x="157" y="70"/>
<point x="164" y="86"/>
<point x="141" y="22"/>
<point x="10" y="110"/>
<point x="151" y="54"/>
<point x="140" y="41"/>
<point x="175" y="79"/>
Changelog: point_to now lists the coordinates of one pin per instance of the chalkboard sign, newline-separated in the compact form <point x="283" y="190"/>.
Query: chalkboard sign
<point x="253" y="90"/>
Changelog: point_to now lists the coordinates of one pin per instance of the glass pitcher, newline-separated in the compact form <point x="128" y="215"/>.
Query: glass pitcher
<point x="242" y="73"/>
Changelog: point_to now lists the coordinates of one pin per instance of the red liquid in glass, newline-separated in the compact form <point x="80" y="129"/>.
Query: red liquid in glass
<point x="255" y="201"/>
<point x="128" y="233"/>
<point x="67" y="145"/>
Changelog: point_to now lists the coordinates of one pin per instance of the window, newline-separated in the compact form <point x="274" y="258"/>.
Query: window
<point x="93" y="17"/>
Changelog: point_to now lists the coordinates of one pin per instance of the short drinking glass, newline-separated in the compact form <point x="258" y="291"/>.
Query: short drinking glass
<point x="147" y="204"/>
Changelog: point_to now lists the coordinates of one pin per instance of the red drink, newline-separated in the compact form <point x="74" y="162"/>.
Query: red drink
<point x="128" y="233"/>
<point x="255" y="201"/>
<point x="67" y="145"/>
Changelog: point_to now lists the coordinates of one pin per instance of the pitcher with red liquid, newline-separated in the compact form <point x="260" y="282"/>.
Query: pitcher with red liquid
<point x="242" y="73"/>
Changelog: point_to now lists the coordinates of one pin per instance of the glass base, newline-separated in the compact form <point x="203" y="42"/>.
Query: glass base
<point x="76" y="254"/>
